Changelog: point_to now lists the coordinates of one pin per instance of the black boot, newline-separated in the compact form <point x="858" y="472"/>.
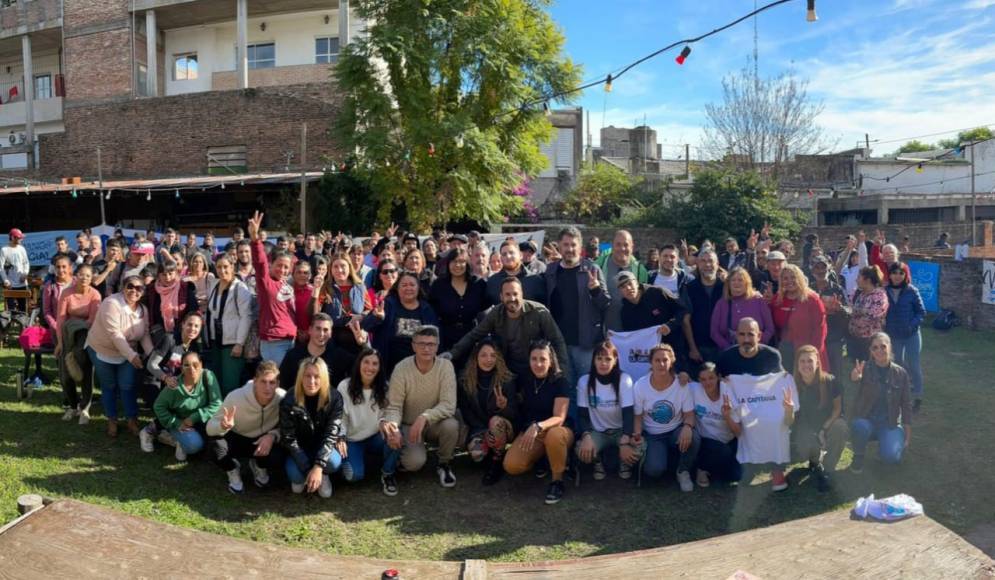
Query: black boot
<point x="495" y="471"/>
<point x="822" y="482"/>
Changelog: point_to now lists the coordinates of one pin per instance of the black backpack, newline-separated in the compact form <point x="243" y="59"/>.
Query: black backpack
<point x="945" y="320"/>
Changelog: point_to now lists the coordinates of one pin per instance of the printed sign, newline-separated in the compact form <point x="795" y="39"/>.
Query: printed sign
<point x="926" y="277"/>
<point x="988" y="283"/>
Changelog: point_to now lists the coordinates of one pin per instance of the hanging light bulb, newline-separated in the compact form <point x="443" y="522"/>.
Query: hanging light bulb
<point x="684" y="55"/>
<point x="459" y="141"/>
<point x="919" y="168"/>
<point x="74" y="194"/>
<point x="242" y="183"/>
<point x="222" y="185"/>
<point x="431" y="149"/>
<point x="811" y="16"/>
<point x="149" y="196"/>
<point x="108" y="196"/>
<point x="608" y="83"/>
<point x="177" y="194"/>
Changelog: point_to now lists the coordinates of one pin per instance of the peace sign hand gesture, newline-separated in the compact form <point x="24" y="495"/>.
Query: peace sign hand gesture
<point x="858" y="371"/>
<point x="228" y="418"/>
<point x="592" y="279"/>
<point x="254" y="223"/>
<point x="499" y="399"/>
<point x="751" y="242"/>
<point x="789" y="404"/>
<point x="726" y="407"/>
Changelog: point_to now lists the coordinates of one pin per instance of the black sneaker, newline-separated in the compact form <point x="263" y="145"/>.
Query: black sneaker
<point x="857" y="466"/>
<point x="389" y="483"/>
<point x="446" y="476"/>
<point x="494" y="473"/>
<point x="821" y="479"/>
<point x="541" y="470"/>
<point x="554" y="493"/>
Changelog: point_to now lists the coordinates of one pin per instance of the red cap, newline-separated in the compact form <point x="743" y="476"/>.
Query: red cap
<point x="16" y="234"/>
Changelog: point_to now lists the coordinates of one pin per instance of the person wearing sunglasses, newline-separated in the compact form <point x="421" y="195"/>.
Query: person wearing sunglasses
<point x="380" y="281"/>
<point x="121" y="324"/>
<point x="185" y="410"/>
<point x="882" y="409"/>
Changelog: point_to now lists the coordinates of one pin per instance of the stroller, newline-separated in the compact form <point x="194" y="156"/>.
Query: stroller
<point x="34" y="340"/>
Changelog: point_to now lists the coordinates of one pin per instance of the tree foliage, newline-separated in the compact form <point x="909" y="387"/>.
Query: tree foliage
<point x="914" y="146"/>
<point x="599" y="193"/>
<point x="427" y="95"/>
<point x="976" y="134"/>
<point x="723" y="203"/>
<point x="761" y="124"/>
<point x="344" y="203"/>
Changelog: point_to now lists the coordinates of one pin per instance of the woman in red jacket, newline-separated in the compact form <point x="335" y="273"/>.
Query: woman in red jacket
<point x="799" y="316"/>
<point x="277" y="320"/>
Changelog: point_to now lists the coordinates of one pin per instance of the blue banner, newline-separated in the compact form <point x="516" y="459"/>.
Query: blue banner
<point x="926" y="277"/>
<point x="40" y="246"/>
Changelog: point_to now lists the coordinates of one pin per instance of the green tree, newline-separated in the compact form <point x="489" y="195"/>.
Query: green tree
<point x="976" y="134"/>
<point x="723" y="203"/>
<point x="914" y="146"/>
<point x="599" y="193"/>
<point x="427" y="98"/>
<point x="344" y="203"/>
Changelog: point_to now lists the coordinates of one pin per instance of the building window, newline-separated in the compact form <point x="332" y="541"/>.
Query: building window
<point x="43" y="86"/>
<point x="226" y="160"/>
<point x="326" y="50"/>
<point x="185" y="67"/>
<point x="262" y="55"/>
<point x="142" y="77"/>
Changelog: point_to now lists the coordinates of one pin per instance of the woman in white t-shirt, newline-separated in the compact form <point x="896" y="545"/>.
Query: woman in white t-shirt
<point x="364" y="395"/>
<point x="604" y="409"/>
<point x="719" y="428"/>
<point x="665" y="412"/>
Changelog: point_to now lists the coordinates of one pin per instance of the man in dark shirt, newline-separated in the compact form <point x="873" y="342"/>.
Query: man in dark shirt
<point x="512" y="266"/>
<point x="749" y="356"/>
<point x="700" y="297"/>
<point x="339" y="361"/>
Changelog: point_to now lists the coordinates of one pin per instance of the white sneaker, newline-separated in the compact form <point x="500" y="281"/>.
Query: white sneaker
<point x="297" y="487"/>
<point x="84" y="417"/>
<point x="180" y="454"/>
<point x="235" y="484"/>
<point x="259" y="474"/>
<point x="325" y="490"/>
<point x="599" y="470"/>
<point x="69" y="415"/>
<point x="146" y="440"/>
<point x="684" y="479"/>
<point x="446" y="476"/>
<point x="703" y="480"/>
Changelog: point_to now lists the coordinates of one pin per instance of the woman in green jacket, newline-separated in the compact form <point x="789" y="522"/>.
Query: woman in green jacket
<point x="185" y="410"/>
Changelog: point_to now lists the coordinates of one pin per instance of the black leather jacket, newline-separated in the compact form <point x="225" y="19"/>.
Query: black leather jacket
<point x="309" y="440"/>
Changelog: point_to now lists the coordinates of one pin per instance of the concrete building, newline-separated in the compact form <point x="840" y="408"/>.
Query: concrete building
<point x="164" y="88"/>
<point x="564" y="153"/>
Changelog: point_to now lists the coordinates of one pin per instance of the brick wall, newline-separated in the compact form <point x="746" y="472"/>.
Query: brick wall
<point x="32" y="15"/>
<point x="170" y="135"/>
<point x="920" y="235"/>
<point x="960" y="289"/>
<point x="97" y="49"/>
<point x="278" y="76"/>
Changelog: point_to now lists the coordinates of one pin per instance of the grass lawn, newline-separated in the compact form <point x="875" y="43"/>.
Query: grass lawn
<point x="949" y="468"/>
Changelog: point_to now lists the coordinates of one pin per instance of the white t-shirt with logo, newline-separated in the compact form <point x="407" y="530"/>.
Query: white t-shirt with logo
<point x="765" y="437"/>
<point x="662" y="411"/>
<point x="711" y="424"/>
<point x="634" y="350"/>
<point x="605" y="408"/>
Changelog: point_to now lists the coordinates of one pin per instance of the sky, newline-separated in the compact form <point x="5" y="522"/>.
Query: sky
<point x="893" y="69"/>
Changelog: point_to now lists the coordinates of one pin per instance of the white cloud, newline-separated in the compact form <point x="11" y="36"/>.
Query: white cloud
<point x="979" y="4"/>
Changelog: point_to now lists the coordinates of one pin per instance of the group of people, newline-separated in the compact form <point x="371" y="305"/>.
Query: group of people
<point x="320" y="355"/>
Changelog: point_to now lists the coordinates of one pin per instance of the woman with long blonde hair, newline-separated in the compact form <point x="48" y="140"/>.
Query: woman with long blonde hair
<point x="739" y="300"/>
<point x="819" y="427"/>
<point x="343" y="297"/>
<point x="799" y="316"/>
<point x="311" y="429"/>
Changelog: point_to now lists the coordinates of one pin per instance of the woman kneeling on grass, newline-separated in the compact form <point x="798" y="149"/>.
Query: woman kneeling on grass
<point x="605" y="410"/>
<point x="311" y="430"/>
<point x="543" y="425"/>
<point x="882" y="409"/>
<point x="819" y="426"/>
<point x="488" y="403"/>
<point x="665" y="411"/>
<point x="715" y="408"/>
<point x="364" y="396"/>
<point x="185" y="410"/>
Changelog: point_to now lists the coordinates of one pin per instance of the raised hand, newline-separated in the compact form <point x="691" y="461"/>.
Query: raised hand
<point x="858" y="371"/>
<point x="228" y="418"/>
<point x="254" y="223"/>
<point x="499" y="399"/>
<point x="663" y="330"/>
<point x="789" y="404"/>
<point x="765" y="231"/>
<point x="358" y="333"/>
<point x="391" y="230"/>
<point x="726" y="407"/>
<point x="592" y="279"/>
<point x="751" y="242"/>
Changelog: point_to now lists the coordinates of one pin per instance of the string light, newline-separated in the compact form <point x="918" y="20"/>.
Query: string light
<point x="919" y="168"/>
<point x="177" y="194"/>
<point x="222" y="185"/>
<point x="74" y="194"/>
<point x="684" y="55"/>
<point x="108" y="196"/>
<point x="545" y="108"/>
<point x="608" y="83"/>
<point x="811" y="16"/>
<point x="149" y="196"/>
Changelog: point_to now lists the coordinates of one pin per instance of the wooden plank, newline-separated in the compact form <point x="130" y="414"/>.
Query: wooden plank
<point x="71" y="539"/>
<point x="826" y="546"/>
<point x="474" y="570"/>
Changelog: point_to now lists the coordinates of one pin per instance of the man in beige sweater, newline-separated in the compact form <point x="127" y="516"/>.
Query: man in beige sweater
<point x="422" y="406"/>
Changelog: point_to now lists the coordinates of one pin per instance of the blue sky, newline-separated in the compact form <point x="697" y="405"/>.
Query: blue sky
<point x="890" y="68"/>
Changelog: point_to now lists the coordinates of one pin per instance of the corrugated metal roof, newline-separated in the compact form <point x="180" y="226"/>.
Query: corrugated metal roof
<point x="201" y="181"/>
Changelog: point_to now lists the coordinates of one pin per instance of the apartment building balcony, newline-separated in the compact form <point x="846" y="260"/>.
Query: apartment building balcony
<point x="19" y="17"/>
<point x="47" y="105"/>
<point x="274" y="77"/>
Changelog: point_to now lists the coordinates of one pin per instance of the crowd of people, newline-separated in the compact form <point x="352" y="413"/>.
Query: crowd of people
<point x="320" y="357"/>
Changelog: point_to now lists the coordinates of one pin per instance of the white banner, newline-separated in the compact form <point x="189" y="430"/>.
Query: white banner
<point x="494" y="241"/>
<point x="988" y="282"/>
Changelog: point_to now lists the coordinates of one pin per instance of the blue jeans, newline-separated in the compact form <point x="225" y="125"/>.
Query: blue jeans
<point x="114" y="377"/>
<point x="354" y="466"/>
<point x="294" y="474"/>
<point x="275" y="350"/>
<point x="578" y="366"/>
<point x="891" y="441"/>
<point x="658" y="448"/>
<point x="906" y="351"/>
<point x="190" y="442"/>
<point x="719" y="459"/>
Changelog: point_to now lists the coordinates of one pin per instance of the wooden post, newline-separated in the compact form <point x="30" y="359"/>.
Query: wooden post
<point x="28" y="503"/>
<point x="474" y="570"/>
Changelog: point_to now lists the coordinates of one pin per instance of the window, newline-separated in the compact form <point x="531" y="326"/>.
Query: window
<point x="142" y="77"/>
<point x="226" y="160"/>
<point x="185" y="67"/>
<point x="262" y="55"/>
<point x="326" y="50"/>
<point x="43" y="86"/>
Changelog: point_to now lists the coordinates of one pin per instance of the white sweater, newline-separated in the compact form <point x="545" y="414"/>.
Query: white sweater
<point x="251" y="419"/>
<point x="360" y="421"/>
<point x="15" y="258"/>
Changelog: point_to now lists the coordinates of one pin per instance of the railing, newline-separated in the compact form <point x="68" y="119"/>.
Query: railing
<point x="51" y="87"/>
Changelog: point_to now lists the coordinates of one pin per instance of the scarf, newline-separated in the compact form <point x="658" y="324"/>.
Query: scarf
<point x="169" y="303"/>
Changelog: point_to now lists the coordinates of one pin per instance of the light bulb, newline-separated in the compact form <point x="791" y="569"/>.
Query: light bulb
<point x="177" y="194"/>
<point x="811" y="16"/>
<point x="222" y="185"/>
<point x="684" y="55"/>
<point x="108" y="196"/>
<point x="919" y="168"/>
<point x="608" y="84"/>
<point x="149" y="196"/>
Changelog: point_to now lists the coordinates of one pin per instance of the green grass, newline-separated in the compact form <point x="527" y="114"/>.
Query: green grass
<point x="948" y="468"/>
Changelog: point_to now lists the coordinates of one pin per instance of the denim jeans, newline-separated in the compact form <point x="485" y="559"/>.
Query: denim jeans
<point x="719" y="459"/>
<point x="294" y="474"/>
<point x="658" y="448"/>
<point x="354" y="465"/>
<point x="112" y="378"/>
<point x="906" y="351"/>
<point x="190" y="442"/>
<point x="275" y="350"/>
<point x="578" y="366"/>
<point x="891" y="441"/>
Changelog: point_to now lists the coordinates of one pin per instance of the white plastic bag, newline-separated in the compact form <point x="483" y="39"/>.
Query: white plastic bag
<point x="889" y="509"/>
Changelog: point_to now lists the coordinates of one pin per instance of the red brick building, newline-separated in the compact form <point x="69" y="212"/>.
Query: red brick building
<point x="153" y="89"/>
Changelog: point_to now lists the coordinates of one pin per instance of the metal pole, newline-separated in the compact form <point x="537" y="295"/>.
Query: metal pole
<point x="974" y="202"/>
<point x="304" y="179"/>
<point x="29" y="99"/>
<point x="687" y="161"/>
<point x="100" y="188"/>
<point x="242" y="35"/>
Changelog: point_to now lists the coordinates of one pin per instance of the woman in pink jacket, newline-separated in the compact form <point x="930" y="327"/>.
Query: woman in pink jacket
<point x="79" y="303"/>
